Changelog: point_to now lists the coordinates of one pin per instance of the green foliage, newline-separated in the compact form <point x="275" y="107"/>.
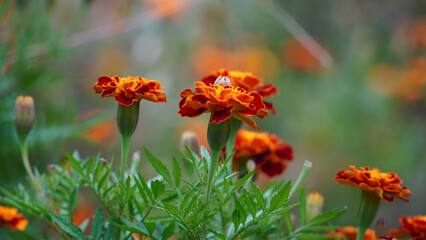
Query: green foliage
<point x="163" y="207"/>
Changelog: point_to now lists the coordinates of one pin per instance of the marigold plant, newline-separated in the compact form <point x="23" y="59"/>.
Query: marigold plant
<point x="385" y="185"/>
<point x="350" y="233"/>
<point x="10" y="218"/>
<point x="247" y="81"/>
<point x="412" y="227"/>
<point x="269" y="152"/>
<point x="223" y="102"/>
<point x="128" y="90"/>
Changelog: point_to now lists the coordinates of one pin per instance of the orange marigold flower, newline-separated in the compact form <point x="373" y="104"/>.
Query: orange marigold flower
<point x="418" y="32"/>
<point x="247" y="81"/>
<point x="412" y="227"/>
<point x="130" y="89"/>
<point x="10" y="218"/>
<point x="223" y="102"/>
<point x="268" y="151"/>
<point x="384" y="185"/>
<point x="351" y="232"/>
<point x="386" y="238"/>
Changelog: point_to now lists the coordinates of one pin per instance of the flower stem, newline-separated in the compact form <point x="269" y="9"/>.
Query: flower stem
<point x="306" y="168"/>
<point x="27" y="166"/>
<point x="125" y="144"/>
<point x="215" y="155"/>
<point x="367" y="211"/>
<point x="235" y="126"/>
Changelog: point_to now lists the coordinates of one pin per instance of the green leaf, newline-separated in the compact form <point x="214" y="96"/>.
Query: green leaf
<point x="176" y="172"/>
<point x="236" y="219"/>
<point x="168" y="231"/>
<point x="97" y="224"/>
<point x="157" y="188"/>
<point x="205" y="154"/>
<point x="239" y="183"/>
<point x="68" y="226"/>
<point x="249" y="203"/>
<point x="258" y="196"/>
<point x="312" y="236"/>
<point x="288" y="223"/>
<point x="327" y="216"/>
<point x="241" y="211"/>
<point x="301" y="208"/>
<point x="159" y="167"/>
<point x="72" y="203"/>
<point x="281" y="198"/>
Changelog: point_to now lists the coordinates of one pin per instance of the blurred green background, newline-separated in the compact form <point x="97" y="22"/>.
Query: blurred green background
<point x="351" y="77"/>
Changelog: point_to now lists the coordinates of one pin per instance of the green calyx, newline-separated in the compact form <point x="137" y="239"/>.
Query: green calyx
<point x="127" y="118"/>
<point x="369" y="205"/>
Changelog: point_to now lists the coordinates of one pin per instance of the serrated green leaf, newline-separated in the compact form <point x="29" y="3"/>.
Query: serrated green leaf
<point x="249" y="203"/>
<point x="97" y="224"/>
<point x="236" y="219"/>
<point x="157" y="188"/>
<point x="168" y="231"/>
<point x="72" y="203"/>
<point x="259" y="197"/>
<point x="176" y="172"/>
<point x="159" y="167"/>
<point x="68" y="226"/>
<point x="327" y="216"/>
<point x="281" y="198"/>
<point x="288" y="223"/>
<point x="241" y="211"/>
<point x="239" y="183"/>
<point x="205" y="154"/>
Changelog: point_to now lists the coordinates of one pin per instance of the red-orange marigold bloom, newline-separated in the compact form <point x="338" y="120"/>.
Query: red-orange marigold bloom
<point x="10" y="218"/>
<point x="269" y="152"/>
<point x="351" y="232"/>
<point x="412" y="227"/>
<point x="384" y="185"/>
<point x="247" y="81"/>
<point x="130" y="89"/>
<point x="223" y="102"/>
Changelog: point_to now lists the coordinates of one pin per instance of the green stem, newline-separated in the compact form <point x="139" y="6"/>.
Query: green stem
<point x="367" y="211"/>
<point x="306" y="168"/>
<point x="27" y="166"/>
<point x="235" y="126"/>
<point x="215" y="155"/>
<point x="125" y="144"/>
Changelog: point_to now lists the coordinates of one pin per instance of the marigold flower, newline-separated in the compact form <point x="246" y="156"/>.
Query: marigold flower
<point x="268" y="151"/>
<point x="418" y="32"/>
<point x="129" y="90"/>
<point x="412" y="227"/>
<point x="384" y="185"/>
<point x="351" y="232"/>
<point x="10" y="218"/>
<point x="386" y="238"/>
<point x="247" y="81"/>
<point x="222" y="102"/>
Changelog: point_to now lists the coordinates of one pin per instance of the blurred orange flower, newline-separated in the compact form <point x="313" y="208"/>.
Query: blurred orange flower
<point x="102" y="133"/>
<point x="165" y="8"/>
<point x="247" y="81"/>
<point x="298" y="58"/>
<point x="268" y="151"/>
<point x="351" y="232"/>
<point x="130" y="89"/>
<point x="418" y="33"/>
<point x="386" y="238"/>
<point x="407" y="85"/>
<point x="412" y="227"/>
<point x="223" y="102"/>
<point x="385" y="185"/>
<point x="10" y="218"/>
<point x="258" y="60"/>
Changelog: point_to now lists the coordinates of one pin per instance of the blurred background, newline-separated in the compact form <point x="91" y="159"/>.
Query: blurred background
<point x="351" y="77"/>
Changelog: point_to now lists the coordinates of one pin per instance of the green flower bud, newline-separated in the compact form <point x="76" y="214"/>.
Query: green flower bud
<point x="189" y="139"/>
<point x="314" y="204"/>
<point x="24" y="115"/>
<point x="218" y="134"/>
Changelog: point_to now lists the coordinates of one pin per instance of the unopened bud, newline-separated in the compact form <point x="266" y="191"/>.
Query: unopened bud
<point x="127" y="118"/>
<point x="223" y="80"/>
<point x="189" y="139"/>
<point x="103" y="160"/>
<point x="251" y="165"/>
<point x="51" y="167"/>
<point x="381" y="227"/>
<point x="314" y="204"/>
<point x="24" y="114"/>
